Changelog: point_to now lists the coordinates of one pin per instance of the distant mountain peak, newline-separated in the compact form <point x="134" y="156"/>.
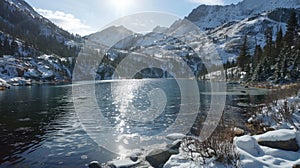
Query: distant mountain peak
<point x="105" y="36"/>
<point x="209" y="17"/>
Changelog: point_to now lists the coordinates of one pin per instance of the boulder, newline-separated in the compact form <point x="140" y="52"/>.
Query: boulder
<point x="134" y="157"/>
<point x="158" y="157"/>
<point x="94" y="164"/>
<point x="296" y="166"/>
<point x="174" y="147"/>
<point x="284" y="139"/>
<point x="248" y="144"/>
<point x="289" y="145"/>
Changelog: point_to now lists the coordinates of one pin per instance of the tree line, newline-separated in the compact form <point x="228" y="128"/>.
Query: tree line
<point x="278" y="61"/>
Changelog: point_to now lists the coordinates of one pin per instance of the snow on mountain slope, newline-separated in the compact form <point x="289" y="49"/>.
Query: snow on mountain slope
<point x="23" y="6"/>
<point x="44" y="68"/>
<point x="209" y="17"/>
<point x="19" y="20"/>
<point x="110" y="36"/>
<point x="228" y="37"/>
<point x="215" y="28"/>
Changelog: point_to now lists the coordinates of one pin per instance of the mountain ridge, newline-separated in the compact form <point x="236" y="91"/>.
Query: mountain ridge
<point x="32" y="47"/>
<point x="212" y="16"/>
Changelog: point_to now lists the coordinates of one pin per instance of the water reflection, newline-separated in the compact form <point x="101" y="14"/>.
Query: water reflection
<point x="39" y="128"/>
<point x="139" y="107"/>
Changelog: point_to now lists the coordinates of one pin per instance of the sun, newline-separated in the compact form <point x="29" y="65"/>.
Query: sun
<point x="122" y="5"/>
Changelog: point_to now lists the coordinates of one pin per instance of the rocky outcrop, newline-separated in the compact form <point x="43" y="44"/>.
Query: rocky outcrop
<point x="289" y="145"/>
<point x="158" y="157"/>
<point x="284" y="139"/>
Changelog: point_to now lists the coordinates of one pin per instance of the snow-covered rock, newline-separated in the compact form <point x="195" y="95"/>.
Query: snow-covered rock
<point x="180" y="161"/>
<point x="279" y="139"/>
<point x="19" y="81"/>
<point x="248" y="144"/>
<point x="266" y="157"/>
<point x="277" y="135"/>
<point x="123" y="163"/>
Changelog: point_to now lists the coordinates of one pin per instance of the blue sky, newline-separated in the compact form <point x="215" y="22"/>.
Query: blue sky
<point x="85" y="17"/>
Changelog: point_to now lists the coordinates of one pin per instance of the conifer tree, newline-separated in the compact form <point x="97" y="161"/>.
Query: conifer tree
<point x="244" y="58"/>
<point x="258" y="54"/>
<point x="269" y="47"/>
<point x="291" y="29"/>
<point x="258" y="73"/>
<point x="278" y="42"/>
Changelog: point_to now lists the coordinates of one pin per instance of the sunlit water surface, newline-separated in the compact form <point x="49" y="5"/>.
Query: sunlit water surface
<point x="39" y="126"/>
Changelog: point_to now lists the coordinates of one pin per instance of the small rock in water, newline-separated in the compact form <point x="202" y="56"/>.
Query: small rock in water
<point x="83" y="157"/>
<point x="94" y="164"/>
<point x="134" y="157"/>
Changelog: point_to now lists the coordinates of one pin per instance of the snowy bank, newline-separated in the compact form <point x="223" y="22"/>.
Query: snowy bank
<point x="254" y="155"/>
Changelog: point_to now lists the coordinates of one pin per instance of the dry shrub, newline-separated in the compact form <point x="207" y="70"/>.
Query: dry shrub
<point x="218" y="146"/>
<point x="284" y="113"/>
<point x="282" y="92"/>
<point x="277" y="107"/>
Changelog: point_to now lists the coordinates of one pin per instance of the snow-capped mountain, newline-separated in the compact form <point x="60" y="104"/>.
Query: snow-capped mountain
<point x="110" y="36"/>
<point x="21" y="21"/>
<point x="205" y="30"/>
<point x="209" y="28"/>
<point x="32" y="47"/>
<point x="210" y="17"/>
<point x="228" y="37"/>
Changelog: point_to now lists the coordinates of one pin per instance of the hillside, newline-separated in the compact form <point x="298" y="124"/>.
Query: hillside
<point x="25" y="36"/>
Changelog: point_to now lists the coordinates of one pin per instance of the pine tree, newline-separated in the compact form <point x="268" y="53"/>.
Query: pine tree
<point x="248" y="72"/>
<point x="284" y="66"/>
<point x="269" y="47"/>
<point x="244" y="58"/>
<point x="278" y="42"/>
<point x="277" y="73"/>
<point x="258" y="73"/>
<point x="233" y="64"/>
<point x="225" y="70"/>
<point x="258" y="54"/>
<point x="291" y="29"/>
<point x="294" y="72"/>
